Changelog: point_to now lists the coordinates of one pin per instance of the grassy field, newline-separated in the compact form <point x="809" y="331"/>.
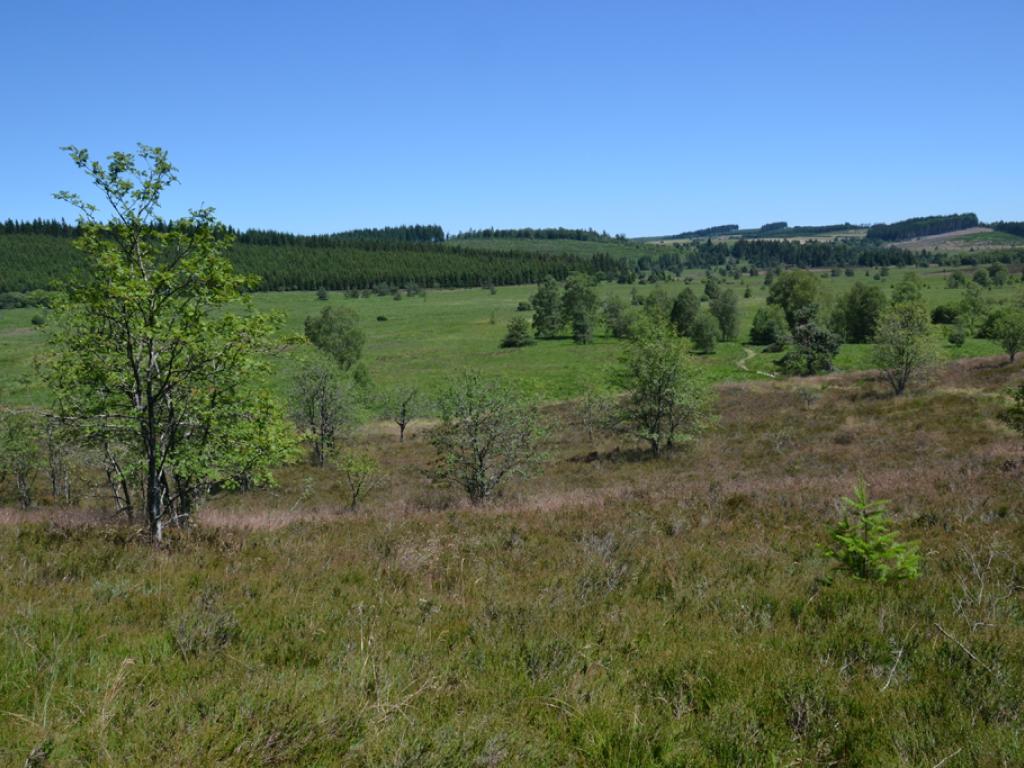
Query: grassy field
<point x="610" y="612"/>
<point x="430" y="338"/>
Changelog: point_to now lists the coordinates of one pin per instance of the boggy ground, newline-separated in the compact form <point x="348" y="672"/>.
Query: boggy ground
<point x="612" y="611"/>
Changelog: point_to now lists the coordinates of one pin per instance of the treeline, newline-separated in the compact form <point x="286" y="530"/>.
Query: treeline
<point x="341" y="268"/>
<point x="922" y="227"/>
<point x="773" y="253"/>
<point x="50" y="227"/>
<point x="31" y="261"/>
<point x="718" y="231"/>
<point x="1010" y="227"/>
<point x="529" y="233"/>
<point x="800" y="231"/>
<point x="417" y="233"/>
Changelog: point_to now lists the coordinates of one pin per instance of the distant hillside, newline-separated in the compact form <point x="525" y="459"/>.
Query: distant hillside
<point x="33" y="255"/>
<point x="922" y="226"/>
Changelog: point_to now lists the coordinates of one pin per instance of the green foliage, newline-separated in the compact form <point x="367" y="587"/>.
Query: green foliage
<point x="856" y="314"/>
<point x="1014" y="416"/>
<point x="973" y="307"/>
<point x="324" y="404"/>
<point x="812" y="348"/>
<point x="518" y="333"/>
<point x="910" y="288"/>
<point x="336" y="332"/>
<point x="1009" y="331"/>
<point x="580" y="307"/>
<point x="725" y="308"/>
<point x="705" y="332"/>
<point x="797" y="292"/>
<point x="360" y="472"/>
<point x="903" y="344"/>
<point x="684" y="311"/>
<point x="956" y="280"/>
<point x="619" y="318"/>
<point x="769" y="327"/>
<point x="667" y="397"/>
<point x="548" y="319"/>
<point x="957" y="336"/>
<point x="20" y="453"/>
<point x="489" y="433"/>
<point x="945" y="314"/>
<point x="865" y="545"/>
<point x="155" y="356"/>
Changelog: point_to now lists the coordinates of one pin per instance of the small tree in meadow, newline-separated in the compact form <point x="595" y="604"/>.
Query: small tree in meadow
<point x="684" y="311"/>
<point x="667" y="397"/>
<point x="769" y="328"/>
<point x="812" y="347"/>
<point x="580" y="307"/>
<point x="705" y="332"/>
<point x="973" y="307"/>
<point x="725" y="308"/>
<point x="865" y="545"/>
<point x="903" y="344"/>
<point x="518" y="334"/>
<point x="547" y="309"/>
<point x="336" y="331"/>
<point x="400" y="405"/>
<point x="324" y="405"/>
<point x="1009" y="330"/>
<point x="489" y="433"/>
<point x="361" y="473"/>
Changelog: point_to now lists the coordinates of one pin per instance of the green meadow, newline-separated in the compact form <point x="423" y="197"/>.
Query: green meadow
<point x="428" y="338"/>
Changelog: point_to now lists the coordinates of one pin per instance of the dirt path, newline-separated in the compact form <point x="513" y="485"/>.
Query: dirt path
<point x="750" y="355"/>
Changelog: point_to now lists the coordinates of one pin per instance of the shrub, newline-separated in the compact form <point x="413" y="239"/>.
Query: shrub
<point x="704" y="332"/>
<point x="812" y="347"/>
<point x="667" y="399"/>
<point x="865" y="545"/>
<point x="361" y="473"/>
<point x="769" y="326"/>
<point x="489" y="432"/>
<point x="944" y="314"/>
<point x="903" y="348"/>
<point x="1015" y="415"/>
<point x="957" y="336"/>
<point x="1009" y="331"/>
<point x="336" y="331"/>
<point x="518" y="333"/>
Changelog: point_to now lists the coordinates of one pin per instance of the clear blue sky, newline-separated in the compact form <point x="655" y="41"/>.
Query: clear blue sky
<point x="635" y="117"/>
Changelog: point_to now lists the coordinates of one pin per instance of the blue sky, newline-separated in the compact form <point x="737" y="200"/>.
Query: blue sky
<point x="638" y="117"/>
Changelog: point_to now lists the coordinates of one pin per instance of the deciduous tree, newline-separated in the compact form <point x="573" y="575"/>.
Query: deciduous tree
<point x="336" y="331"/>
<point x="903" y="345"/>
<point x="489" y="433"/>
<point x="667" y="398"/>
<point x="155" y="353"/>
